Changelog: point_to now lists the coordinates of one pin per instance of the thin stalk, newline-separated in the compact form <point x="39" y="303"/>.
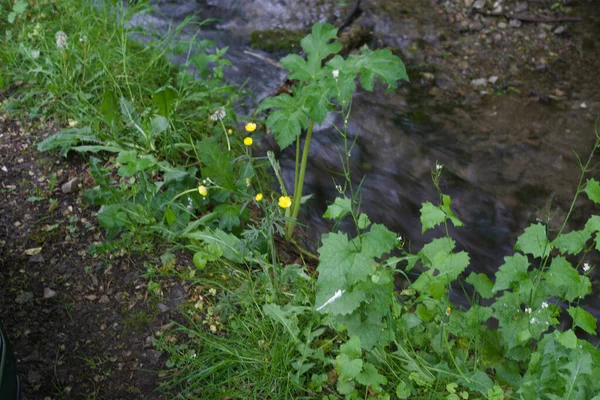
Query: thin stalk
<point x="290" y="225"/>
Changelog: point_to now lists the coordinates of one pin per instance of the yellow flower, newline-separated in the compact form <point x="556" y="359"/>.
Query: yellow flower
<point x="250" y="126"/>
<point x="448" y="311"/>
<point x="203" y="190"/>
<point x="258" y="197"/>
<point x="285" y="201"/>
<point x="230" y="131"/>
<point x="248" y="141"/>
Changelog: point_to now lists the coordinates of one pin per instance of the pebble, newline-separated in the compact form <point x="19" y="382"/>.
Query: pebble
<point x="70" y="185"/>
<point x="559" y="30"/>
<point x="468" y="3"/>
<point x="26" y="297"/>
<point x="479" y="82"/>
<point x="163" y="308"/>
<point x="104" y="299"/>
<point x="49" y="293"/>
<point x="502" y="25"/>
<point x="492" y="79"/>
<point x="515" y="23"/>
<point x="479" y="4"/>
<point x="497" y="11"/>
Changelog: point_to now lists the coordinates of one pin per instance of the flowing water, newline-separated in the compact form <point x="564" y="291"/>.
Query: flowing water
<point x="504" y="160"/>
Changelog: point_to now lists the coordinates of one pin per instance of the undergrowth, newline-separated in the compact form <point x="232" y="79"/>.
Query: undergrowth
<point x="174" y="169"/>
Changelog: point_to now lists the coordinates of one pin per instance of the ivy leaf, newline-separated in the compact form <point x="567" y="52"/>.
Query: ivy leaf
<point x="568" y="282"/>
<point x="348" y="368"/>
<point x="339" y="209"/>
<point x="583" y="319"/>
<point x="592" y="189"/>
<point x="534" y="241"/>
<point x="317" y="45"/>
<point x="431" y="216"/>
<point x="380" y="63"/>
<point x="482" y="284"/>
<point x="572" y="242"/>
<point x="514" y="269"/>
<point x="371" y="378"/>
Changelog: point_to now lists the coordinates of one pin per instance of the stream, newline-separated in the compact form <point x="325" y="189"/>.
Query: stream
<point x="504" y="157"/>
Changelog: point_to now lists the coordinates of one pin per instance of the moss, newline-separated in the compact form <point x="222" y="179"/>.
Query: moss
<point x="284" y="40"/>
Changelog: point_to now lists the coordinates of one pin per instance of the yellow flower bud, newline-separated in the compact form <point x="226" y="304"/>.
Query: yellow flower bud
<point x="203" y="190"/>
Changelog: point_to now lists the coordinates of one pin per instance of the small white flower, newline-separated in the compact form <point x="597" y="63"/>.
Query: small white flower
<point x="212" y="291"/>
<point x="83" y="39"/>
<point x="544" y="305"/>
<point x="533" y="320"/>
<point x="438" y="167"/>
<point x="335" y="73"/>
<point x="528" y="310"/>
<point x="218" y="114"/>
<point x="586" y="267"/>
<point x="399" y="238"/>
<point x="339" y="188"/>
<point x="61" y="40"/>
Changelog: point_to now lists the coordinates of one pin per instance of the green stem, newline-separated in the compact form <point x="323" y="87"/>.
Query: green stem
<point x="290" y="225"/>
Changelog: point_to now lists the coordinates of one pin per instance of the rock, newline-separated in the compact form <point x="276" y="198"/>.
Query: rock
<point x="104" y="299"/>
<point x="515" y="23"/>
<point x="49" y="293"/>
<point x="492" y="79"/>
<point x="445" y="83"/>
<point x="163" y="308"/>
<point x="91" y="297"/>
<point x="479" y="4"/>
<point x="559" y="30"/>
<point x="38" y="258"/>
<point x="498" y="10"/>
<point x="502" y="25"/>
<point x="23" y="298"/>
<point x="472" y="99"/>
<point x="475" y="26"/>
<point x="468" y="3"/>
<point x="427" y="76"/>
<point x="70" y="185"/>
<point x="481" y="82"/>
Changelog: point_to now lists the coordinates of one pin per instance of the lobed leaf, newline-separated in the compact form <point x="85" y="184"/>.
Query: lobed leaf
<point x="534" y="241"/>
<point x="592" y="189"/>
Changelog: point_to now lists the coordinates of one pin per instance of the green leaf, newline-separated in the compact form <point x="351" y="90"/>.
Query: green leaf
<point x="534" y="241"/>
<point x="440" y="245"/>
<point x="109" y="107"/>
<point x="288" y="120"/>
<point x="230" y="216"/>
<point x="514" y="270"/>
<point x="572" y="242"/>
<point x="583" y="319"/>
<point x="451" y="387"/>
<point x="287" y="317"/>
<point x="230" y="244"/>
<point x="352" y="347"/>
<point x="346" y="304"/>
<point x="446" y="208"/>
<point x="382" y="64"/>
<point x="363" y="221"/>
<point x="431" y="216"/>
<point x="317" y="46"/>
<point x="66" y="139"/>
<point x="297" y="66"/>
<point x="495" y="393"/>
<point x="158" y="125"/>
<point x="378" y="241"/>
<point x="347" y="367"/>
<point x="339" y="209"/>
<point x="567" y="338"/>
<point x="371" y="378"/>
<point x="482" y="284"/>
<point x="199" y="261"/>
<point x="170" y="216"/>
<point x="127" y="111"/>
<point x="592" y="189"/>
<point x="163" y="100"/>
<point x="593" y="224"/>
<point x="403" y="391"/>
<point x="568" y="282"/>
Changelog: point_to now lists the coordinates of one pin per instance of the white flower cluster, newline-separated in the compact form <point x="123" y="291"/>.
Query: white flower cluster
<point x="586" y="267"/>
<point x="218" y="115"/>
<point x="61" y="40"/>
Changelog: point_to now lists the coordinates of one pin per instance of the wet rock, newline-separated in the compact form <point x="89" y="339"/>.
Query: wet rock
<point x="481" y="82"/>
<point x="49" y="293"/>
<point x="26" y="297"/>
<point x="163" y="308"/>
<point x="71" y="185"/>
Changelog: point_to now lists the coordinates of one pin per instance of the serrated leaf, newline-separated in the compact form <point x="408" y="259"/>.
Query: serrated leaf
<point x="449" y="213"/>
<point x="229" y="244"/>
<point x="317" y="99"/>
<point x="583" y="319"/>
<point x="317" y="45"/>
<point x="371" y="378"/>
<point x="534" y="241"/>
<point x="568" y="282"/>
<point x="378" y="241"/>
<point x="287" y="121"/>
<point x="229" y="216"/>
<point x="593" y="224"/>
<point x="431" y="216"/>
<point x="382" y="64"/>
<point x="287" y="318"/>
<point x="67" y="138"/>
<point x="592" y="189"/>
<point x="514" y="270"/>
<point x="363" y="221"/>
<point x="572" y="242"/>
<point x="339" y="209"/>
<point x="482" y="284"/>
<point x="352" y="347"/>
<point x="440" y="245"/>
<point x="347" y="367"/>
<point x="346" y="304"/>
<point x="297" y="66"/>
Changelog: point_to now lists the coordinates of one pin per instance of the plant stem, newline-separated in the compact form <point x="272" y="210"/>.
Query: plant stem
<point x="290" y="225"/>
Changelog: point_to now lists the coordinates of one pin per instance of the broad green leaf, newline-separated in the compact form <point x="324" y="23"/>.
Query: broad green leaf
<point x="583" y="319"/>
<point x="572" y="242"/>
<point x="170" y="216"/>
<point x="352" y="347"/>
<point x="378" y="241"/>
<point x="371" y="378"/>
<point x="229" y="244"/>
<point x="482" y="284"/>
<point x="347" y="367"/>
<point x="288" y="120"/>
<point x="567" y="338"/>
<point x="318" y="100"/>
<point x="568" y="282"/>
<point x="431" y="216"/>
<point x="593" y="224"/>
<point x="446" y="208"/>
<point x="346" y="304"/>
<point x="449" y="266"/>
<point x="126" y="157"/>
<point x="382" y="64"/>
<point x="363" y="221"/>
<point x="318" y="46"/>
<point x="440" y="245"/>
<point x="534" y="241"/>
<point x="127" y="111"/>
<point x="109" y="106"/>
<point x="297" y="66"/>
<point x="339" y="209"/>
<point x="158" y="125"/>
<point x="163" y="100"/>
<point x="67" y="138"/>
<point x="199" y="261"/>
<point x="230" y="216"/>
<point x="592" y="189"/>
<point x="403" y="391"/>
<point x="514" y="270"/>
